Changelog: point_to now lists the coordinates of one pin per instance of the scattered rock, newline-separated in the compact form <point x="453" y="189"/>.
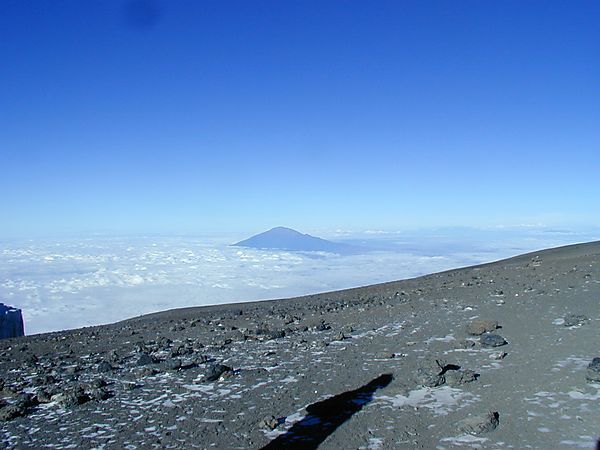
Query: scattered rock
<point x="43" y="380"/>
<point x="173" y="364"/>
<point x="147" y="371"/>
<point x="340" y="336"/>
<point x="97" y="383"/>
<point x="572" y="320"/>
<point x="145" y="359"/>
<point x="270" y="422"/>
<point x="478" y="327"/>
<point x="498" y="355"/>
<point x="25" y="401"/>
<point x="479" y="424"/>
<point x="322" y="326"/>
<point x="593" y="371"/>
<point x="464" y="344"/>
<point x="201" y="359"/>
<point x="431" y="373"/>
<point x="105" y="366"/>
<point x="99" y="394"/>
<point x="10" y="412"/>
<point x="429" y="379"/>
<point x="74" y="369"/>
<point x="44" y="396"/>
<point x="71" y="398"/>
<point x="492" y="340"/>
<point x="276" y="334"/>
<point x="215" y="371"/>
<point x="458" y="377"/>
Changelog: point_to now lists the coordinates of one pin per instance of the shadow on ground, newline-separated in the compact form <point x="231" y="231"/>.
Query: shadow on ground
<point x="326" y="416"/>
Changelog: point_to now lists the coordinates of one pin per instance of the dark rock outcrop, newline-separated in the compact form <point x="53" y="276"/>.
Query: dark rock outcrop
<point x="11" y="322"/>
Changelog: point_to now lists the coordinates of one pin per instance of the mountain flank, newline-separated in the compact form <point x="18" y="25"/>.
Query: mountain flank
<point x="282" y="238"/>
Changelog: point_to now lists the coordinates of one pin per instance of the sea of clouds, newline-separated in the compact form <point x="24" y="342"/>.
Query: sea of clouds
<point x="73" y="282"/>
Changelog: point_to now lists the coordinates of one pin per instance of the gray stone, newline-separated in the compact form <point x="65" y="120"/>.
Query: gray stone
<point x="173" y="364"/>
<point x="97" y="383"/>
<point x="215" y="371"/>
<point x="425" y="378"/>
<point x="181" y="350"/>
<point x="478" y="327"/>
<point x="464" y="344"/>
<point x="322" y="326"/>
<point x="43" y="396"/>
<point x="43" y="380"/>
<point x="479" y="424"/>
<point x="147" y="371"/>
<point x="431" y="373"/>
<point x="593" y="371"/>
<point x="458" y="377"/>
<point x="105" y="366"/>
<point x="25" y="400"/>
<point x="276" y="334"/>
<point x="340" y="336"/>
<point x="10" y="412"/>
<point x="99" y="394"/>
<point x="270" y="422"/>
<point x="201" y="359"/>
<point x="72" y="397"/>
<point x="572" y="320"/>
<point x="145" y="359"/>
<point x="492" y="340"/>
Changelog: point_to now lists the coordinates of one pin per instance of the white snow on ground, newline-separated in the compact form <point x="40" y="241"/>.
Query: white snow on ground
<point x="440" y="400"/>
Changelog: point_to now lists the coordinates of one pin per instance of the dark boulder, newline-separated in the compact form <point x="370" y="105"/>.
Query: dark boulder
<point x="593" y="371"/>
<point x="215" y="371"/>
<point x="11" y="322"/>
<point x="492" y="340"/>
<point x="145" y="359"/>
<point x="105" y="366"/>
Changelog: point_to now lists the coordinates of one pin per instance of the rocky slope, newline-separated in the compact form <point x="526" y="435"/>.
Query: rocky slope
<point x="494" y="356"/>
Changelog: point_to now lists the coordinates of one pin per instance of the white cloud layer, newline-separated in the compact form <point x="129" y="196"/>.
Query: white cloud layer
<point x="69" y="283"/>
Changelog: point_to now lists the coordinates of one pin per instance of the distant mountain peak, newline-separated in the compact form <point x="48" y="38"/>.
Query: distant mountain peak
<point x="284" y="238"/>
<point x="284" y="230"/>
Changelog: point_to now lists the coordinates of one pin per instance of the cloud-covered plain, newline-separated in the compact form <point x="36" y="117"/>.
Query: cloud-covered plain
<point x="69" y="283"/>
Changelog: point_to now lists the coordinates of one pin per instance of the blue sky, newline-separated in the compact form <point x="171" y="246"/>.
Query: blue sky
<point x="214" y="115"/>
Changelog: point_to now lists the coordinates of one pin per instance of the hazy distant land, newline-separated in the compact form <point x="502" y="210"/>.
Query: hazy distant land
<point x="76" y="281"/>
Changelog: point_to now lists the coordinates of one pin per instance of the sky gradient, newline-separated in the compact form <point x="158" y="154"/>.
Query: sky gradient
<point x="217" y="115"/>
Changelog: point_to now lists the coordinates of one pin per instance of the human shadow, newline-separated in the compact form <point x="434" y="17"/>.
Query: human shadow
<point x="326" y="416"/>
